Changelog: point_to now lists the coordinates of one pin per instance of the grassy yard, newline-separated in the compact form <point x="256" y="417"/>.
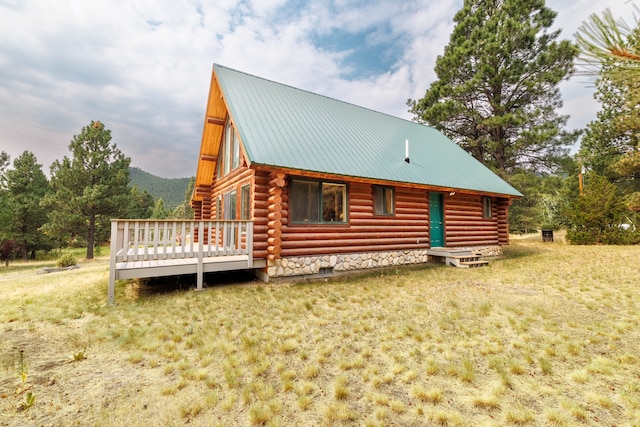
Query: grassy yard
<point x="549" y="334"/>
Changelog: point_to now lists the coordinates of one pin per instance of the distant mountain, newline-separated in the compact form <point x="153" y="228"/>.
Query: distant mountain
<point x="170" y="189"/>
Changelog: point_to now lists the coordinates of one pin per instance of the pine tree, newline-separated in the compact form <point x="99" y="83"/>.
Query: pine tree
<point x="597" y="215"/>
<point x="141" y="204"/>
<point x="184" y="209"/>
<point x="90" y="188"/>
<point x="540" y="206"/>
<point x="5" y="208"/>
<point x="603" y="40"/>
<point x="27" y="186"/>
<point x="4" y="163"/>
<point x="496" y="92"/>
<point x="611" y="144"/>
<point x="159" y="211"/>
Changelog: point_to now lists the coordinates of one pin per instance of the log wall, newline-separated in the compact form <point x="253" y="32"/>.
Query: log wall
<point x="407" y="229"/>
<point x="503" y="221"/>
<point x="260" y="213"/>
<point x="464" y="223"/>
<point x="365" y="232"/>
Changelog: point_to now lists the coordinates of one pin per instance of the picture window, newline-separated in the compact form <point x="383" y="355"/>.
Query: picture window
<point x="318" y="202"/>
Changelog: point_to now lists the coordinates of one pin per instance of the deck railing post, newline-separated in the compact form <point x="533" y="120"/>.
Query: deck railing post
<point x="249" y="243"/>
<point x="200" y="268"/>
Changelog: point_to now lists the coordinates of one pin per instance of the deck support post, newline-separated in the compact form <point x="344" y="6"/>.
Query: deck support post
<point x="200" y="255"/>
<point x="112" y="262"/>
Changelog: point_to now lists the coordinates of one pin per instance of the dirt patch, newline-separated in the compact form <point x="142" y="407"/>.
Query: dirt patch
<point x="66" y="390"/>
<point x="47" y="270"/>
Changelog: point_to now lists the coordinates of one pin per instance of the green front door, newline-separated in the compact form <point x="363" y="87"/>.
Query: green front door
<point x="436" y="216"/>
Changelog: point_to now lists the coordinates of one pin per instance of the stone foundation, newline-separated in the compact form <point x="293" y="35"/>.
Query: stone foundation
<point x="486" y="251"/>
<point x="328" y="264"/>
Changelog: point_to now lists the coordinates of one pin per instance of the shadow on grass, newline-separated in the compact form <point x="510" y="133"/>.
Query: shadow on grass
<point x="143" y="288"/>
<point x="517" y="251"/>
<point x="361" y="276"/>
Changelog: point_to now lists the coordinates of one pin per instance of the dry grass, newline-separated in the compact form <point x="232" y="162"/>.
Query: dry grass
<point x="547" y="335"/>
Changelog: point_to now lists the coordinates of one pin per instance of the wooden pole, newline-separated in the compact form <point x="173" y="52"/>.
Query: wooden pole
<point x="581" y="183"/>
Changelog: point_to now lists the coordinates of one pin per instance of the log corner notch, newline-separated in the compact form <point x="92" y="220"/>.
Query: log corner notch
<point x="274" y="242"/>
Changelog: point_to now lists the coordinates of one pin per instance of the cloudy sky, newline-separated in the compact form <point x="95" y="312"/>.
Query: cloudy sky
<point x="143" y="67"/>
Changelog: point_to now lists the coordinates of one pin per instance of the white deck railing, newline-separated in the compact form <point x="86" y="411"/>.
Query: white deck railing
<point x="140" y="241"/>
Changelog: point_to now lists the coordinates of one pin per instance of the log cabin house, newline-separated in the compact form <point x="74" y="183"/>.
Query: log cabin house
<point x="330" y="186"/>
<point x="291" y="183"/>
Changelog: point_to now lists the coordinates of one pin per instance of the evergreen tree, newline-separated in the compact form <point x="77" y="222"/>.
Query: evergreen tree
<point x="4" y="164"/>
<point x="159" y="211"/>
<point x="604" y="40"/>
<point x="5" y="208"/>
<point x="611" y="144"/>
<point x="27" y="186"/>
<point x="90" y="188"/>
<point x="184" y="209"/>
<point x="141" y="204"/>
<point x="496" y="92"/>
<point x="541" y="204"/>
<point x="598" y="214"/>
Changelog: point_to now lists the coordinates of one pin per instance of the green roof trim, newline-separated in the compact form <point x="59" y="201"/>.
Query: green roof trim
<point x="283" y="126"/>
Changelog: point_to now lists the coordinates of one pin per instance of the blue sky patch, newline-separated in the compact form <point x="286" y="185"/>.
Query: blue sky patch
<point x="368" y="52"/>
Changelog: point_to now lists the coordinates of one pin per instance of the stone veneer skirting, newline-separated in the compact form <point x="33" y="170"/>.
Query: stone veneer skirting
<point x="327" y="264"/>
<point x="488" y="251"/>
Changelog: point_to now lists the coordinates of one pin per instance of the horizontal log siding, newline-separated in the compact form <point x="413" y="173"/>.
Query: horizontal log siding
<point x="464" y="224"/>
<point x="197" y="210"/>
<point x="260" y="212"/>
<point x="365" y="232"/>
<point x="503" y="223"/>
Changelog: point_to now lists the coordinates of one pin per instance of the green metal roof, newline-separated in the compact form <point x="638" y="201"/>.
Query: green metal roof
<point x="287" y="127"/>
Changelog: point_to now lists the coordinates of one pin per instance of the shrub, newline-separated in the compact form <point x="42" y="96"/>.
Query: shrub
<point x="579" y="237"/>
<point x="66" y="260"/>
<point x="596" y="216"/>
<point x="8" y="250"/>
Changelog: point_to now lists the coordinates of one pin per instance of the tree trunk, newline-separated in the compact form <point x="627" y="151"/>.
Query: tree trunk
<point x="92" y="234"/>
<point x="25" y="253"/>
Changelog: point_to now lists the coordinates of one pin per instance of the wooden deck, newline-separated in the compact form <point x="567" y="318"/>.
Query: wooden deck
<point x="155" y="248"/>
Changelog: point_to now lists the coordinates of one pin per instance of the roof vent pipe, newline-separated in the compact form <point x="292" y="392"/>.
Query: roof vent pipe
<point x="406" y="151"/>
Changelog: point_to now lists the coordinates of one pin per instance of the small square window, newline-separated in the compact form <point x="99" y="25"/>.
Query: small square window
<point x="383" y="200"/>
<point x="486" y="207"/>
